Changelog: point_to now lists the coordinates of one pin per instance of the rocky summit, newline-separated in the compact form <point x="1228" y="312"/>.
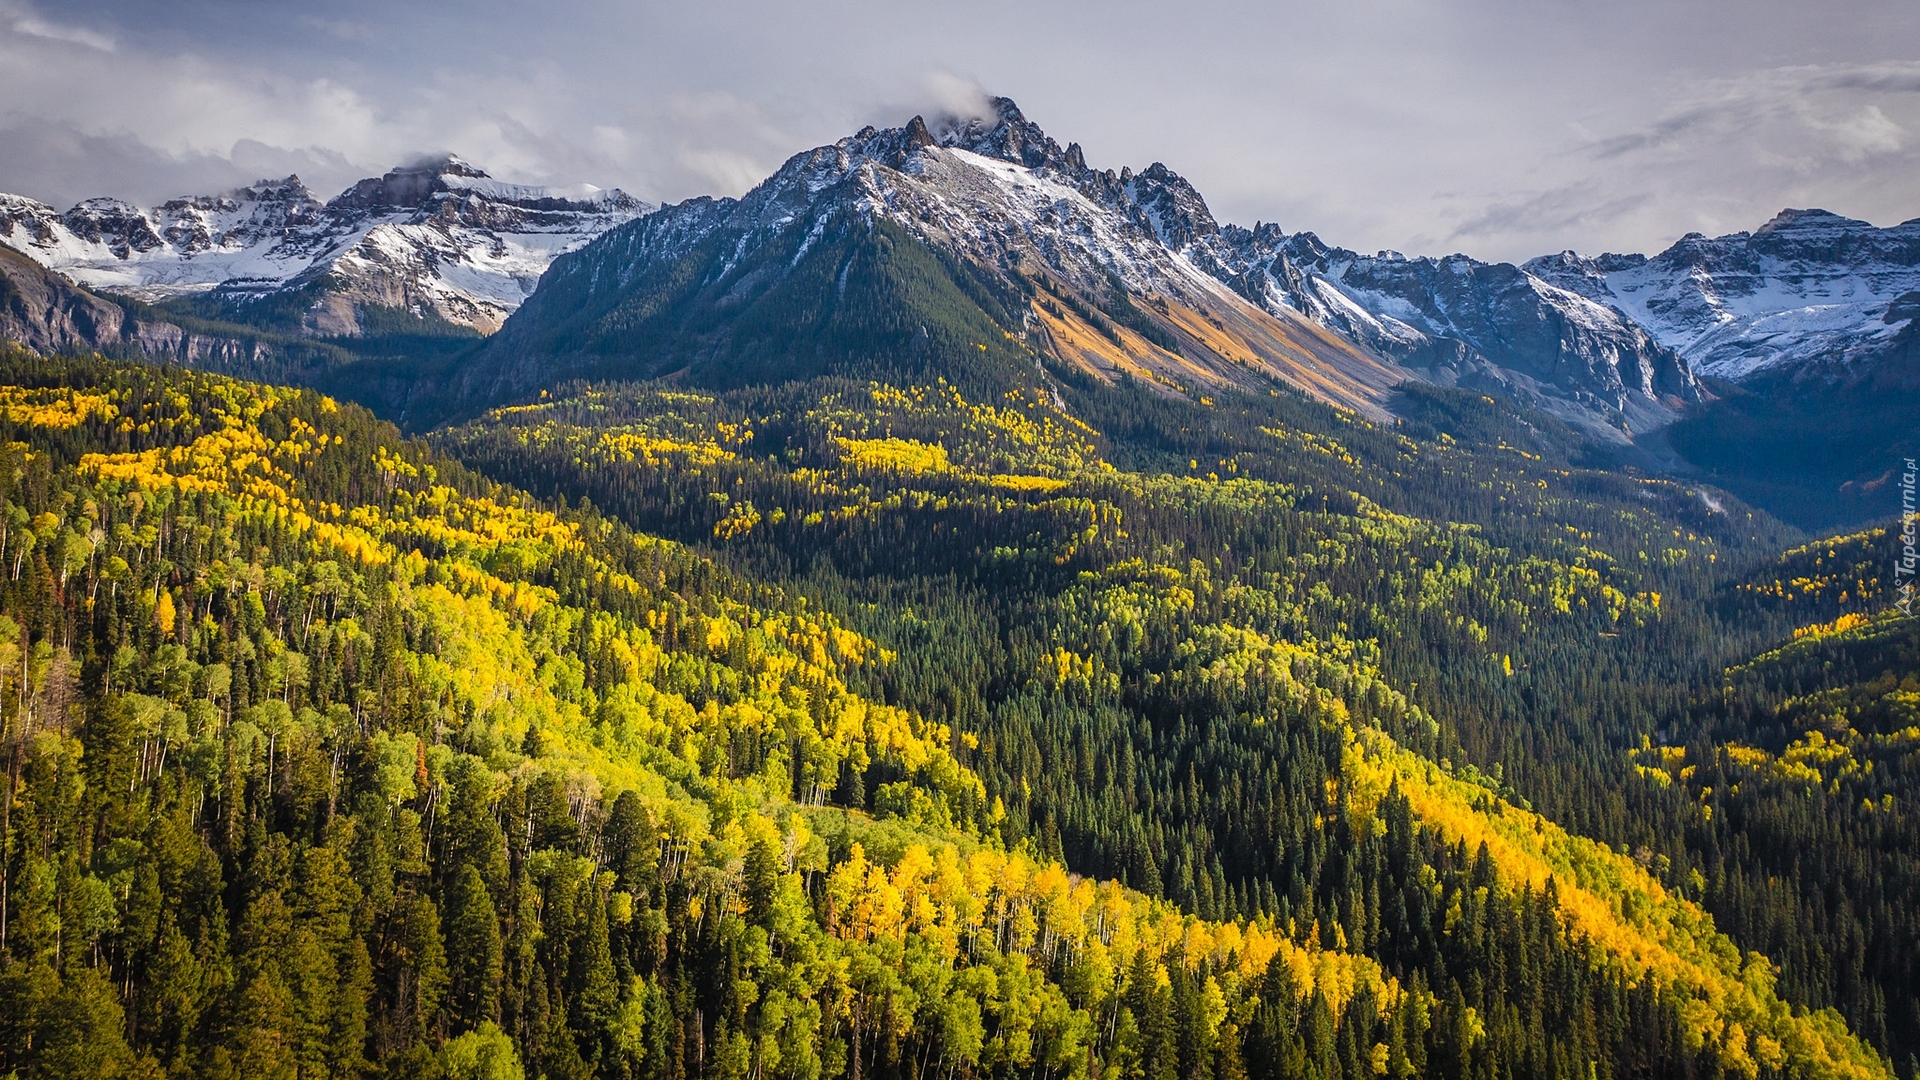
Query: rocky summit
<point x="958" y="244"/>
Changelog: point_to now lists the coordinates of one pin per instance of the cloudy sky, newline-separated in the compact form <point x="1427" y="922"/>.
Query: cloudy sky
<point x="1502" y="128"/>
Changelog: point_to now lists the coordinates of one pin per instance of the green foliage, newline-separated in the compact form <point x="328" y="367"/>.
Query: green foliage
<point x="326" y="757"/>
<point x="853" y="297"/>
<point x="1799" y="777"/>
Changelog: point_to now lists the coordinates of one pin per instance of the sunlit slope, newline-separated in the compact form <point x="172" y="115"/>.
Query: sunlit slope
<point x="1727" y="996"/>
<point x="1225" y="343"/>
<point x="1641" y="925"/>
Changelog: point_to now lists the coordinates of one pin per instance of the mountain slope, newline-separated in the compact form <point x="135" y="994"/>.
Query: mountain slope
<point x="43" y="312"/>
<point x="1463" y="322"/>
<point x="1801" y="771"/>
<point x="440" y="238"/>
<point x="982" y="245"/>
<point x="1195" y="681"/>
<point x="1807" y="329"/>
<point x="559" y="797"/>
<point x="328" y="757"/>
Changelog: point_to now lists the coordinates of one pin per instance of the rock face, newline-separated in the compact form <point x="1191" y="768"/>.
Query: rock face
<point x="967" y="241"/>
<point x="440" y="238"/>
<point x="46" y="313"/>
<point x="1809" y="293"/>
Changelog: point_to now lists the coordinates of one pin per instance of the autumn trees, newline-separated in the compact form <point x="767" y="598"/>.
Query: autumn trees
<point x="329" y="756"/>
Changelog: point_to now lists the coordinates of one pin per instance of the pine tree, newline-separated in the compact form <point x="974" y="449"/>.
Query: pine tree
<point x="762" y="882"/>
<point x="82" y="1034"/>
<point x="415" y="969"/>
<point x="476" y="959"/>
<point x="347" y="1045"/>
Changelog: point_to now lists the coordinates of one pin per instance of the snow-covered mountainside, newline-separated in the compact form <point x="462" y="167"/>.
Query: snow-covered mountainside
<point x="1809" y="292"/>
<point x="440" y="237"/>
<point x="1459" y="321"/>
<point x="968" y="235"/>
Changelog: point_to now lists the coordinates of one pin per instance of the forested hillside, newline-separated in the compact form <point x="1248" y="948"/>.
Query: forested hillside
<point x="328" y="756"/>
<point x="1074" y="592"/>
<point x="1800" y="776"/>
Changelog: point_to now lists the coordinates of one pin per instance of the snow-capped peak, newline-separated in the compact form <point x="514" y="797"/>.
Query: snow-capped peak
<point x="1066" y="245"/>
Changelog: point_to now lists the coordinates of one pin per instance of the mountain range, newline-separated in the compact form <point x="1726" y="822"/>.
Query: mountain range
<point x="1103" y="272"/>
<point x="1809" y="292"/>
<point x="981" y="245"/>
<point x="985" y="244"/>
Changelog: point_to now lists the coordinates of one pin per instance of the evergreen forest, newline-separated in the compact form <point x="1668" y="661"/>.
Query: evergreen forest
<point x="898" y="728"/>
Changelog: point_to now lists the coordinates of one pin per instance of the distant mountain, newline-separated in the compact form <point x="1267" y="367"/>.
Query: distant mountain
<point x="1809" y="325"/>
<point x="440" y="240"/>
<point x="1809" y="292"/>
<point x="1024" y="252"/>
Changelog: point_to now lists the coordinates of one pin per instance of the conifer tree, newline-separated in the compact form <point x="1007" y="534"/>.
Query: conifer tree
<point x="476" y="958"/>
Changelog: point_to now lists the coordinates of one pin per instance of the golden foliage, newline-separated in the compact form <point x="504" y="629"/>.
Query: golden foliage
<point x="53" y="407"/>
<point x="1617" y="903"/>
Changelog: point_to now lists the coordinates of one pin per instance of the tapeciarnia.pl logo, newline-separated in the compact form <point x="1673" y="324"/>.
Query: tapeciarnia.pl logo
<point x="1909" y="559"/>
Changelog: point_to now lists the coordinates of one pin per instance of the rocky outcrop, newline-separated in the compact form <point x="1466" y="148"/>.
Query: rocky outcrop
<point x="47" y="314"/>
<point x="44" y="312"/>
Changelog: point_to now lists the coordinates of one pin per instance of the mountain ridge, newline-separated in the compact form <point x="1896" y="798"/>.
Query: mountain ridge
<point x="1460" y="321"/>
<point x="1809" y="289"/>
<point x="1336" y="324"/>
<point x="1006" y="257"/>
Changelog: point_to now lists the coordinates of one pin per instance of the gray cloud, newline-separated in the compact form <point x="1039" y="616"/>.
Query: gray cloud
<point x="62" y="164"/>
<point x="1506" y="127"/>
<point x="1557" y="212"/>
<point x="27" y="22"/>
